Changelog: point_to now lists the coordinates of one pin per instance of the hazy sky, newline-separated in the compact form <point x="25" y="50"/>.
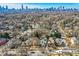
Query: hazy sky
<point x="41" y="5"/>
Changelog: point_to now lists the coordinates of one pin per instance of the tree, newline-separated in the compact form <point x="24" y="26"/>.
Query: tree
<point x="5" y="35"/>
<point x="56" y="34"/>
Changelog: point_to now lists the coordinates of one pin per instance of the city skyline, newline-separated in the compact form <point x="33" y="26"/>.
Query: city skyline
<point x="40" y="5"/>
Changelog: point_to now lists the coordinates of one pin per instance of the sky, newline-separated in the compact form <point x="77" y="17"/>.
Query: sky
<point x="40" y="5"/>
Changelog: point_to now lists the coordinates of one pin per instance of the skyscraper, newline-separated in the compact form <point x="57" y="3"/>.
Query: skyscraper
<point x="26" y="7"/>
<point x="22" y="7"/>
<point x="0" y="7"/>
<point x="6" y="7"/>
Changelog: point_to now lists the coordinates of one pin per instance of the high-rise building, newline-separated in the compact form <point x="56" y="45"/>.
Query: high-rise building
<point x="3" y="8"/>
<point x="6" y="7"/>
<point x="0" y="7"/>
<point x="63" y="7"/>
<point x="26" y="7"/>
<point x="22" y="7"/>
